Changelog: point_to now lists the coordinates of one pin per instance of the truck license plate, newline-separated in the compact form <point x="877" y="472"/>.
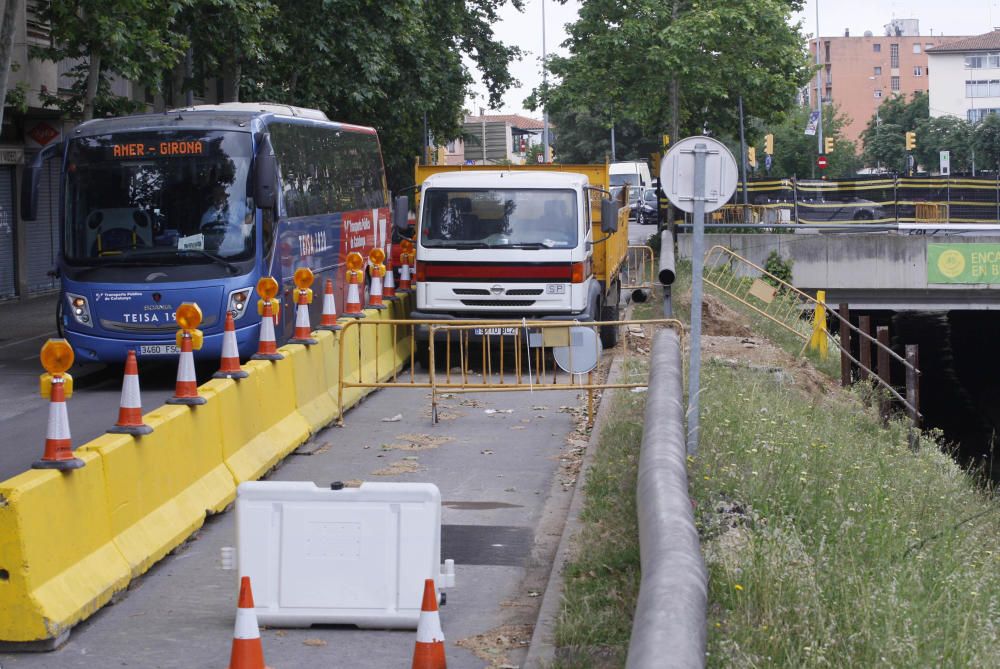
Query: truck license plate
<point x="159" y="349"/>
<point x="494" y="332"/>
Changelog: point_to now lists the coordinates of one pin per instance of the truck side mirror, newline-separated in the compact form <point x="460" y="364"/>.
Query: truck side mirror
<point x="609" y="216"/>
<point x="400" y="215"/>
<point x="265" y="175"/>
<point x="29" y="181"/>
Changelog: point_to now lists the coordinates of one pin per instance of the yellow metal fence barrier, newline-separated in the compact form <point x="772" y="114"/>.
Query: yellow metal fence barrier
<point x="639" y="269"/>
<point x="496" y="356"/>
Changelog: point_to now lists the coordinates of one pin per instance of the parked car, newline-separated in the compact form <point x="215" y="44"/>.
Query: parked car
<point x="821" y="210"/>
<point x="642" y="209"/>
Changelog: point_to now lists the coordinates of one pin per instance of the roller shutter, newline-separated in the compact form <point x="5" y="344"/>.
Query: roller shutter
<point x="42" y="235"/>
<point x="8" y="286"/>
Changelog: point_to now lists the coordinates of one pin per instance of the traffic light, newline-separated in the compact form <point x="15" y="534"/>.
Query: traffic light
<point x="828" y="145"/>
<point x="666" y="141"/>
<point x="911" y="140"/>
<point x="769" y="144"/>
<point x="752" y="156"/>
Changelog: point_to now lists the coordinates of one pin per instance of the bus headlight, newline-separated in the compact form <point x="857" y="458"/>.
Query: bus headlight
<point x="238" y="300"/>
<point x="80" y="309"/>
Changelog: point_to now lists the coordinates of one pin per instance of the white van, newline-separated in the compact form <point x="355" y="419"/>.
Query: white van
<point x="635" y="173"/>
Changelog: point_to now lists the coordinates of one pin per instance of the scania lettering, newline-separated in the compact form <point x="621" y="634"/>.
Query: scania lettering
<point x="195" y="206"/>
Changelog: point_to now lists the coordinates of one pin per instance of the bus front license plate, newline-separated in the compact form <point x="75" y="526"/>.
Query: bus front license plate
<point x="495" y="332"/>
<point x="159" y="349"/>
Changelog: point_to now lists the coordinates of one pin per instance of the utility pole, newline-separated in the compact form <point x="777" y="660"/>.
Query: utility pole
<point x="743" y="166"/>
<point x="819" y="94"/>
<point x="545" y="109"/>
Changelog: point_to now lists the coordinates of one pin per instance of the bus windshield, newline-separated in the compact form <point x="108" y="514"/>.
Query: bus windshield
<point x="499" y="219"/>
<point x="159" y="197"/>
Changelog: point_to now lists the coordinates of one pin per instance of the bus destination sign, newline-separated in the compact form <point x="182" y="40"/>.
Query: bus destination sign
<point x="150" y="149"/>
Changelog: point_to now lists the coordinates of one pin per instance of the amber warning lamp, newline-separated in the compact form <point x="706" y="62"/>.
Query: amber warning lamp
<point x="188" y="319"/>
<point x="57" y="357"/>
<point x="303" y="279"/>
<point x="267" y="288"/>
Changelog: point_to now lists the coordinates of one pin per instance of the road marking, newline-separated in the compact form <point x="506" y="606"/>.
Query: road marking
<point x="21" y="341"/>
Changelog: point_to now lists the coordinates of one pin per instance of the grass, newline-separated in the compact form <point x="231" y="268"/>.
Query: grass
<point x="829" y="542"/>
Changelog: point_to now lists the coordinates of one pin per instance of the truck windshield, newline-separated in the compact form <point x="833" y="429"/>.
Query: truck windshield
<point x="514" y="218"/>
<point x="164" y="198"/>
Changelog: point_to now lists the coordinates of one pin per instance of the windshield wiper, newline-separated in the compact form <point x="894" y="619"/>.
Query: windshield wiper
<point x="468" y="245"/>
<point x="528" y="245"/>
<point x="233" y="269"/>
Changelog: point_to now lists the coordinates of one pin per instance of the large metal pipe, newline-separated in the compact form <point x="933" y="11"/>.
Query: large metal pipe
<point x="667" y="272"/>
<point x="668" y="629"/>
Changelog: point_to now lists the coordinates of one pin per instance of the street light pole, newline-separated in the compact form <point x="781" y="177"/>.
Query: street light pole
<point x="545" y="110"/>
<point x="819" y="94"/>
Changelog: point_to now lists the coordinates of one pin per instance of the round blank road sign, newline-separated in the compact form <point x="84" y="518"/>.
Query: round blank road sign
<point x="583" y="352"/>
<point x="677" y="174"/>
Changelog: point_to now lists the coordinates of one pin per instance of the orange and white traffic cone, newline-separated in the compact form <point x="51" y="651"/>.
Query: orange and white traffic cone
<point x="247" y="653"/>
<point x="352" y="309"/>
<point x="230" y="368"/>
<point x="303" y="331"/>
<point x="429" y="651"/>
<point x="186" y="390"/>
<point x="389" y="287"/>
<point x="375" y="294"/>
<point x="404" y="272"/>
<point x="267" y="345"/>
<point x="58" y="444"/>
<point x="130" y="406"/>
<point x="328" y="319"/>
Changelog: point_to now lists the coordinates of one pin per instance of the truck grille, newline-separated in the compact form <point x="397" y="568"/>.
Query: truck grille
<point x="525" y="291"/>
<point x="470" y="291"/>
<point x="498" y="303"/>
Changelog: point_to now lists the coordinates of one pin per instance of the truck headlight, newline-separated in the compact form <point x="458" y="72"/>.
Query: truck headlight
<point x="238" y="300"/>
<point x="79" y="308"/>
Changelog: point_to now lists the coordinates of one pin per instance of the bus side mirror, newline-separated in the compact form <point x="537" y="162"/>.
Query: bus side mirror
<point x="265" y="175"/>
<point x="29" y="181"/>
<point x="400" y="215"/>
<point x="609" y="216"/>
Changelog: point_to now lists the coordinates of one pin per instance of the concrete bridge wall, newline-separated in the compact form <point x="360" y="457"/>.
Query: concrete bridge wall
<point x="868" y="270"/>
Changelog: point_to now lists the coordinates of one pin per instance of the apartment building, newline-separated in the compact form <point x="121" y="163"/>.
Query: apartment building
<point x="859" y="73"/>
<point x="967" y="81"/>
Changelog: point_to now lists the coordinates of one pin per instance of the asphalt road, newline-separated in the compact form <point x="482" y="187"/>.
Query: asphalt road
<point x="505" y="476"/>
<point x="92" y="409"/>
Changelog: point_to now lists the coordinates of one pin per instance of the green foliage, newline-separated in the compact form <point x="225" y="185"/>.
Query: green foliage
<point x="986" y="142"/>
<point x="132" y="39"/>
<point x="795" y="152"/>
<point x="780" y="267"/>
<point x="625" y="56"/>
<point x="384" y="64"/>
<point x="944" y="133"/>
<point x="884" y="139"/>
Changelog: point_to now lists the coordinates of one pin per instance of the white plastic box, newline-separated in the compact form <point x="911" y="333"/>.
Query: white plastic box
<point x="348" y="556"/>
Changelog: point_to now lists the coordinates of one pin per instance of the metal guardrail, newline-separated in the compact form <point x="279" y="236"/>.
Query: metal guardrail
<point x="784" y="304"/>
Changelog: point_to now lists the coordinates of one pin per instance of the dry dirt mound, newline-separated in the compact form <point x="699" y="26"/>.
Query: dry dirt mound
<point x="718" y="319"/>
<point x="758" y="353"/>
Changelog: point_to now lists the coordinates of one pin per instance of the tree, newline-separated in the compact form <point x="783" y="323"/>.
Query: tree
<point x="944" y="133"/>
<point x="391" y="65"/>
<point x="624" y="55"/>
<point x="884" y="139"/>
<point x="133" y="39"/>
<point x="795" y="152"/>
<point x="986" y="142"/>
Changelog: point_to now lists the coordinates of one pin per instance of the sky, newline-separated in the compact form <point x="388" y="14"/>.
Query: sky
<point x="942" y="17"/>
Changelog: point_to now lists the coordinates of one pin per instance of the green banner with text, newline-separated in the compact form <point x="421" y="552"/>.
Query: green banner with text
<point x="963" y="263"/>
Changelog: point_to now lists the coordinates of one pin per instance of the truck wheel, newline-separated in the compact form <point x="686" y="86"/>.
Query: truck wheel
<point x="609" y="333"/>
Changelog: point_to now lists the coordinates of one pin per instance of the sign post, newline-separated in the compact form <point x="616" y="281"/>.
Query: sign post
<point x="697" y="175"/>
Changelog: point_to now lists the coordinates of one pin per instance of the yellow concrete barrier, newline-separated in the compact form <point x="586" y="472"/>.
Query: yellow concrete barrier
<point x="310" y="369"/>
<point x="58" y="563"/>
<point x="69" y="541"/>
<point x="261" y="423"/>
<point x="161" y="486"/>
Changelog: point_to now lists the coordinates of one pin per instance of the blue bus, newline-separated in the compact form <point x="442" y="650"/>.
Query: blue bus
<point x="195" y="205"/>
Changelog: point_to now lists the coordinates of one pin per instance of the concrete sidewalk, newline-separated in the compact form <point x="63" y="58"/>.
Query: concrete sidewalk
<point x="25" y="319"/>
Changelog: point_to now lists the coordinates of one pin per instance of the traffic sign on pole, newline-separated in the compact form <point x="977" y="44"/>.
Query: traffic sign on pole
<point x="821" y="162"/>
